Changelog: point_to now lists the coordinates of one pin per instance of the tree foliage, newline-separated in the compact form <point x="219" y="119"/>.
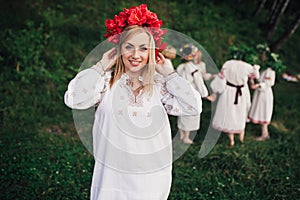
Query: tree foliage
<point x="260" y="54"/>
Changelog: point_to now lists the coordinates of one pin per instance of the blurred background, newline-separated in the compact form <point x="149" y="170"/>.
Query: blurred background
<point x="42" y="45"/>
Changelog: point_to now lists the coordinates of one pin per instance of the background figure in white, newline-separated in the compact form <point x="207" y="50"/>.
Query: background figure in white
<point x="189" y="71"/>
<point x="132" y="141"/>
<point x="262" y="102"/>
<point x="205" y="76"/>
<point x="234" y="101"/>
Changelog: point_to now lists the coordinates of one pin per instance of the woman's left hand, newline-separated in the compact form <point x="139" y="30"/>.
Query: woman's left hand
<point x="163" y="67"/>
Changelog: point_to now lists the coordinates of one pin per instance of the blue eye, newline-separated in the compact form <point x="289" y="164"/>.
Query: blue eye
<point x="128" y="47"/>
<point x="143" y="48"/>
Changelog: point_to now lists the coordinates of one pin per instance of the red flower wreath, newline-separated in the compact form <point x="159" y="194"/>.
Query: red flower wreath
<point x="136" y="15"/>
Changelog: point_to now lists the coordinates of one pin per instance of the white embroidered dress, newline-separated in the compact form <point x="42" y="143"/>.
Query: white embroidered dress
<point x="234" y="101"/>
<point x="190" y="72"/>
<point x="262" y="103"/>
<point x="131" y="134"/>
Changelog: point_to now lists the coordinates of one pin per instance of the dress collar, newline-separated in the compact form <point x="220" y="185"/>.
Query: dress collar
<point x="127" y="80"/>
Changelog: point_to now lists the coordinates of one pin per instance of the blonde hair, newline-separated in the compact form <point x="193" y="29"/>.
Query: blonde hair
<point x="148" y="72"/>
<point x="198" y="57"/>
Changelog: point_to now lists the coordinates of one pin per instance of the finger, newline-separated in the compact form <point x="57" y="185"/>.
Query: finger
<point x="160" y="58"/>
<point x="112" y="53"/>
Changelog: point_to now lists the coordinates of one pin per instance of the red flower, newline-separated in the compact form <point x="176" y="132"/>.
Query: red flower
<point x="135" y="15"/>
<point x="110" y="24"/>
<point x="120" y="20"/>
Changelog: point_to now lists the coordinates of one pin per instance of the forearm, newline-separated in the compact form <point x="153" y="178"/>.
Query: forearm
<point x="84" y="90"/>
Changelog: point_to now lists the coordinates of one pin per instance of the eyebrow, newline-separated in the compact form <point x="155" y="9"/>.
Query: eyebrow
<point x="133" y="45"/>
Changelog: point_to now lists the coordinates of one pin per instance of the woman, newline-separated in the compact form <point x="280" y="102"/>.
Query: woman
<point x="234" y="101"/>
<point x="134" y="93"/>
<point x="189" y="71"/>
<point x="262" y="103"/>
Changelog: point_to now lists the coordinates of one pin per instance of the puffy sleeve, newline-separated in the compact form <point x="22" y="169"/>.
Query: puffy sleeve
<point x="180" y="69"/>
<point x="199" y="82"/>
<point x="268" y="81"/>
<point x="178" y="96"/>
<point x="218" y="84"/>
<point x="205" y="74"/>
<point x="254" y="71"/>
<point x="86" y="88"/>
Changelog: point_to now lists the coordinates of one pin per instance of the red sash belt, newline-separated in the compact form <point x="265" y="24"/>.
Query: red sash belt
<point x="238" y="91"/>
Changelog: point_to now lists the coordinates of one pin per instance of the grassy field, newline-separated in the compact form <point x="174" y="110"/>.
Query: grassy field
<point x="53" y="164"/>
<point x="41" y="154"/>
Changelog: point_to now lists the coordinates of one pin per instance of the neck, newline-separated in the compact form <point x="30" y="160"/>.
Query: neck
<point x="133" y="76"/>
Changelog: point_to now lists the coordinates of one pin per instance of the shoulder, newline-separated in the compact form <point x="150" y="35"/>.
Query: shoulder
<point x="270" y="71"/>
<point x="228" y="63"/>
<point x="181" y="65"/>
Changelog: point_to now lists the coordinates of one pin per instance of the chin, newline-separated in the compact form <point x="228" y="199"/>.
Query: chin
<point x="135" y="69"/>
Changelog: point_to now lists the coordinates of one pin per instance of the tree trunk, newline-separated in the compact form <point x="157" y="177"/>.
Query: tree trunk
<point x="259" y="7"/>
<point x="286" y="35"/>
<point x="273" y="12"/>
<point x="274" y="26"/>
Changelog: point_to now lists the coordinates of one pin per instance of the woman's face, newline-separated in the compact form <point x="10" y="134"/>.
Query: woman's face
<point x="135" y="53"/>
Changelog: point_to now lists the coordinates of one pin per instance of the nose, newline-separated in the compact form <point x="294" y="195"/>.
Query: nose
<point x="135" y="53"/>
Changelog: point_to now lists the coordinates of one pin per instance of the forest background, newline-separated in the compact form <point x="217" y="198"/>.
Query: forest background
<point x="43" y="43"/>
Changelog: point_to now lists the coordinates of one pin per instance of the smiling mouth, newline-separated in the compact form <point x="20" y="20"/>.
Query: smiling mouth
<point x="134" y="63"/>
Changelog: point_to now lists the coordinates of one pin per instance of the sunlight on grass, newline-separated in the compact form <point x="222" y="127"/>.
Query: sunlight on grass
<point x="279" y="126"/>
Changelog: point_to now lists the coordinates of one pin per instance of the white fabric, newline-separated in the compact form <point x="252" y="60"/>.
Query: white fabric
<point x="218" y="84"/>
<point x="262" y="103"/>
<point x="131" y="135"/>
<point x="202" y="69"/>
<point x="188" y="123"/>
<point x="230" y="117"/>
<point x="185" y="70"/>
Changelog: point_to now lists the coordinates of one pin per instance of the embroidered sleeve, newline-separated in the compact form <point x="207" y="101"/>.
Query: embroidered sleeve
<point x="178" y="96"/>
<point x="86" y="88"/>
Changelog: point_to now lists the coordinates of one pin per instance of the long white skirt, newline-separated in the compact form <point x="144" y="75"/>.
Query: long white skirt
<point x="110" y="184"/>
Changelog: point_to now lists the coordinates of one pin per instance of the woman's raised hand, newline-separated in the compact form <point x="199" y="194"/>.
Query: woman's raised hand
<point x="162" y="66"/>
<point x="109" y="59"/>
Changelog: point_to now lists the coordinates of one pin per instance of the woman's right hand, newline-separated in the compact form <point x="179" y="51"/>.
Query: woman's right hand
<point x="109" y="59"/>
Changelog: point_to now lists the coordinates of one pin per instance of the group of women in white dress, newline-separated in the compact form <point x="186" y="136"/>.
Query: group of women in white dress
<point x="234" y="107"/>
<point x="133" y="88"/>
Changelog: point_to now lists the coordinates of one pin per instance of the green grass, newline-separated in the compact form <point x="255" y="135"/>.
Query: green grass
<point x="53" y="164"/>
<point x="41" y="154"/>
<point x="44" y="165"/>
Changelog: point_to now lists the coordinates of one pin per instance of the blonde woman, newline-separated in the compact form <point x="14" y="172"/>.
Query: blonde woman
<point x="134" y="92"/>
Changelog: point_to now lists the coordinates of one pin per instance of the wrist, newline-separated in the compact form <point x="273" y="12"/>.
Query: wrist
<point x="171" y="75"/>
<point x="99" y="67"/>
<point x="167" y="73"/>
